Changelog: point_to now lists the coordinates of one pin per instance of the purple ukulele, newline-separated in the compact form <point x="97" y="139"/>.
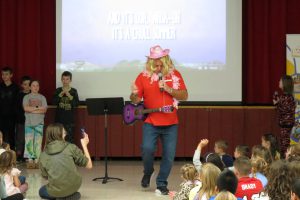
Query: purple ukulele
<point x="132" y="112"/>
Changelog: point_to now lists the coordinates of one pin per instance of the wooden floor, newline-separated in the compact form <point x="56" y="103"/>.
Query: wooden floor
<point x="130" y="171"/>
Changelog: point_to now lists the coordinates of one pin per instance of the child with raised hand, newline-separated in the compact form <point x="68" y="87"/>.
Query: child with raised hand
<point x="209" y="157"/>
<point x="190" y="176"/>
<point x="10" y="175"/>
<point x="220" y="148"/>
<point x="196" y="158"/>
<point x="58" y="164"/>
<point x="269" y="141"/>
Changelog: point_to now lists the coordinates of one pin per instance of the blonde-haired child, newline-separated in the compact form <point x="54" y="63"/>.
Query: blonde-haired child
<point x="259" y="169"/>
<point x="225" y="195"/>
<point x="262" y="152"/>
<point x="10" y="175"/>
<point x="208" y="177"/>
<point x="261" y="159"/>
<point x="190" y="176"/>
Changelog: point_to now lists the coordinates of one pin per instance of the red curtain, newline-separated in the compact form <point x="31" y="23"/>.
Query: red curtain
<point x="27" y="43"/>
<point x="265" y="25"/>
<point x="27" y="40"/>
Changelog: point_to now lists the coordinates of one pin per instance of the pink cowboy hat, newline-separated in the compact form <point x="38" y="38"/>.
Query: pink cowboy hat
<point x="158" y="52"/>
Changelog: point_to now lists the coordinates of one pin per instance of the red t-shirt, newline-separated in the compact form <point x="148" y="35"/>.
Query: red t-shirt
<point x="148" y="89"/>
<point x="248" y="188"/>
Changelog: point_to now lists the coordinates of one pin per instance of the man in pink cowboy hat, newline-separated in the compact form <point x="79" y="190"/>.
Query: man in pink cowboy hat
<point x="159" y="85"/>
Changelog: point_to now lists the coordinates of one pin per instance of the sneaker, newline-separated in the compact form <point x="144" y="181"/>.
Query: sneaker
<point x="162" y="190"/>
<point x="145" y="183"/>
<point x="74" y="196"/>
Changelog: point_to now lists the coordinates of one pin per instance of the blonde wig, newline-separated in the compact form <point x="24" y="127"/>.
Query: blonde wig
<point x="166" y="61"/>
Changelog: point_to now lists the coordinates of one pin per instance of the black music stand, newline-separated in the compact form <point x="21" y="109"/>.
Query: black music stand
<point x="105" y="106"/>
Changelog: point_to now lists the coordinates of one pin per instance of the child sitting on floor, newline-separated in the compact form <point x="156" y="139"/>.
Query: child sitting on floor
<point x="10" y="176"/>
<point x="190" y="176"/>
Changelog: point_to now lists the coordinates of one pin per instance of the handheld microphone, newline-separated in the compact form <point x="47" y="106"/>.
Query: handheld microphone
<point x="82" y="129"/>
<point x="160" y="78"/>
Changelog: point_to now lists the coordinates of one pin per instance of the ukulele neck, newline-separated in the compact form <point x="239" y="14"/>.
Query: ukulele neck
<point x="145" y="111"/>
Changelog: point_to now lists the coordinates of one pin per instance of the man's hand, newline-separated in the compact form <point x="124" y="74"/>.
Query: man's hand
<point x="134" y="91"/>
<point x="134" y="88"/>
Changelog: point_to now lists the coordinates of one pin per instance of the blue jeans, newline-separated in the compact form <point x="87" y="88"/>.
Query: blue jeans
<point x="168" y="138"/>
<point x="44" y="193"/>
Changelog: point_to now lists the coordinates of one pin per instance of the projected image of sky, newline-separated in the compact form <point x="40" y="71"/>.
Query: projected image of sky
<point x="107" y="32"/>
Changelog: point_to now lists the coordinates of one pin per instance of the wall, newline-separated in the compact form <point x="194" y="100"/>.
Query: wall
<point x="237" y="125"/>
